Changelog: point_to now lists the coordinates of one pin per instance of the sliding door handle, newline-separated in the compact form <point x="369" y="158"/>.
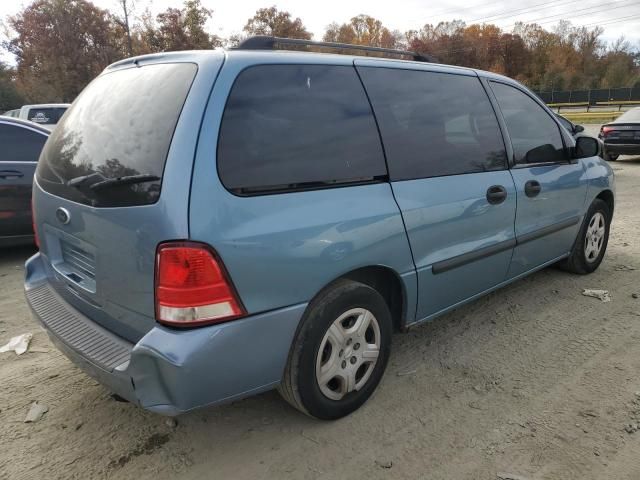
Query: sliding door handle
<point x="532" y="188"/>
<point x="496" y="194"/>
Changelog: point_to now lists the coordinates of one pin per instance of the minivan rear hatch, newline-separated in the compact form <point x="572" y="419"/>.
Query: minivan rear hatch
<point x="113" y="182"/>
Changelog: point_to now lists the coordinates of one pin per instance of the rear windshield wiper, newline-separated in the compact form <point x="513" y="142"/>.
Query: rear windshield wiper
<point x="83" y="179"/>
<point x="128" y="180"/>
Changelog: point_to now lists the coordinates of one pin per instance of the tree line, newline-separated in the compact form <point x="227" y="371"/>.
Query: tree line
<point x="61" y="45"/>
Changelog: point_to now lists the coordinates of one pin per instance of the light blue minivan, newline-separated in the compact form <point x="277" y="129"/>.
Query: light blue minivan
<point x="216" y="224"/>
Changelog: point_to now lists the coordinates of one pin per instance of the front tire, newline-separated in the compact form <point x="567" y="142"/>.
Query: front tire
<point x="340" y="352"/>
<point x="591" y="242"/>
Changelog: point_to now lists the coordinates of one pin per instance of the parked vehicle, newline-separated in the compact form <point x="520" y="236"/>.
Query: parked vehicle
<point x="12" y="113"/>
<point x="21" y="143"/>
<point x="46" y="114"/>
<point x="230" y="222"/>
<point x="622" y="136"/>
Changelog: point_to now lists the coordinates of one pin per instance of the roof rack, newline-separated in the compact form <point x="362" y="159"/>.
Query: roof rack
<point x="265" y="42"/>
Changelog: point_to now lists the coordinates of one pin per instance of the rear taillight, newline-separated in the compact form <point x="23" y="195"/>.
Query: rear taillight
<point x="33" y="225"/>
<point x="605" y="130"/>
<point x="192" y="286"/>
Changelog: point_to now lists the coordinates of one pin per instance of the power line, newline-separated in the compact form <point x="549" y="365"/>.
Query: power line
<point x="513" y="13"/>
<point x="473" y="7"/>
<point x="550" y="18"/>
<point x="614" y="20"/>
<point x="494" y="42"/>
<point x="599" y="9"/>
<point x="606" y="9"/>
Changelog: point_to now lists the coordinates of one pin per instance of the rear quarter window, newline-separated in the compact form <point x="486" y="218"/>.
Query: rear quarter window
<point x="287" y="127"/>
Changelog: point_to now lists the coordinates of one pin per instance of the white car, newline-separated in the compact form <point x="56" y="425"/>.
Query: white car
<point x="12" y="113"/>
<point x="45" y="114"/>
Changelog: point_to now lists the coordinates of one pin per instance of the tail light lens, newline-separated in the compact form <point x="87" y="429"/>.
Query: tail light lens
<point x="605" y="130"/>
<point x="192" y="286"/>
<point x="33" y="225"/>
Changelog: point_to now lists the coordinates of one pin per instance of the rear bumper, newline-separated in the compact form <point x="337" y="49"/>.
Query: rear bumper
<point x="169" y="371"/>
<point x="622" y="148"/>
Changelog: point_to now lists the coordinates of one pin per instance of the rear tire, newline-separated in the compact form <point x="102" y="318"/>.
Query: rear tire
<point x="609" y="157"/>
<point x="331" y="371"/>
<point x="591" y="242"/>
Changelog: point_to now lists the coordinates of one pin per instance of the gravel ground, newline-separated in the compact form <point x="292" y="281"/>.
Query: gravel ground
<point x="534" y="381"/>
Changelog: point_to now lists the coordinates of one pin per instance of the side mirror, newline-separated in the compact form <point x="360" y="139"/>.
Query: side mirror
<point x="586" y="147"/>
<point x="578" y="128"/>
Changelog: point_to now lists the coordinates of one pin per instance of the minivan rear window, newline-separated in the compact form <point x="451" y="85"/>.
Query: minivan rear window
<point x="290" y="127"/>
<point x="111" y="147"/>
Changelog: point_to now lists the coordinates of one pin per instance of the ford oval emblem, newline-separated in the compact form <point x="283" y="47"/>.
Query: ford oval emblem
<point x="63" y="215"/>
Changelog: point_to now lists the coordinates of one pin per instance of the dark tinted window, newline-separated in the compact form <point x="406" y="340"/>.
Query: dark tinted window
<point x="46" y="116"/>
<point x="434" y="124"/>
<point x="288" y="126"/>
<point x="120" y="126"/>
<point x="20" y="144"/>
<point x="534" y="135"/>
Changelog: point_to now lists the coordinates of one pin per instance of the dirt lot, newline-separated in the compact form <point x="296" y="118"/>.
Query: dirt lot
<point x="535" y="381"/>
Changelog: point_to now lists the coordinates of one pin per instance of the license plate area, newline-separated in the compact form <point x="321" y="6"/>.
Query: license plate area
<point x="73" y="260"/>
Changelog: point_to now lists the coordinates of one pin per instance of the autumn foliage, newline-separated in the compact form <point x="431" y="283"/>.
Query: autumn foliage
<point x="60" y="45"/>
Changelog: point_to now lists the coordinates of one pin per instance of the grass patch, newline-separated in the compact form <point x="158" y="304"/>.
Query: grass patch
<point x="592" y="117"/>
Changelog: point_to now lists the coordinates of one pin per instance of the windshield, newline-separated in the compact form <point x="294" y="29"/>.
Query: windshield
<point x="120" y="126"/>
<point x="632" y="115"/>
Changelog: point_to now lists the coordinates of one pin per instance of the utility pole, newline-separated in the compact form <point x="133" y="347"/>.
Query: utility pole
<point x="126" y="27"/>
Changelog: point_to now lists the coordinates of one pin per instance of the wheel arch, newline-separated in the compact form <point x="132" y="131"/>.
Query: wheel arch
<point x="607" y="197"/>
<point x="387" y="282"/>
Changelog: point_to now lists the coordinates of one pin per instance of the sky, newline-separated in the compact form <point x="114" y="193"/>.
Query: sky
<point x="617" y="17"/>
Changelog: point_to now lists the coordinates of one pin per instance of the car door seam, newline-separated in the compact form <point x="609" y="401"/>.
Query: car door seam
<point x="393" y="194"/>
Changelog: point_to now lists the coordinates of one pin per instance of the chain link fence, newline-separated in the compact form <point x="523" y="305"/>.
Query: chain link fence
<point x="592" y="97"/>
